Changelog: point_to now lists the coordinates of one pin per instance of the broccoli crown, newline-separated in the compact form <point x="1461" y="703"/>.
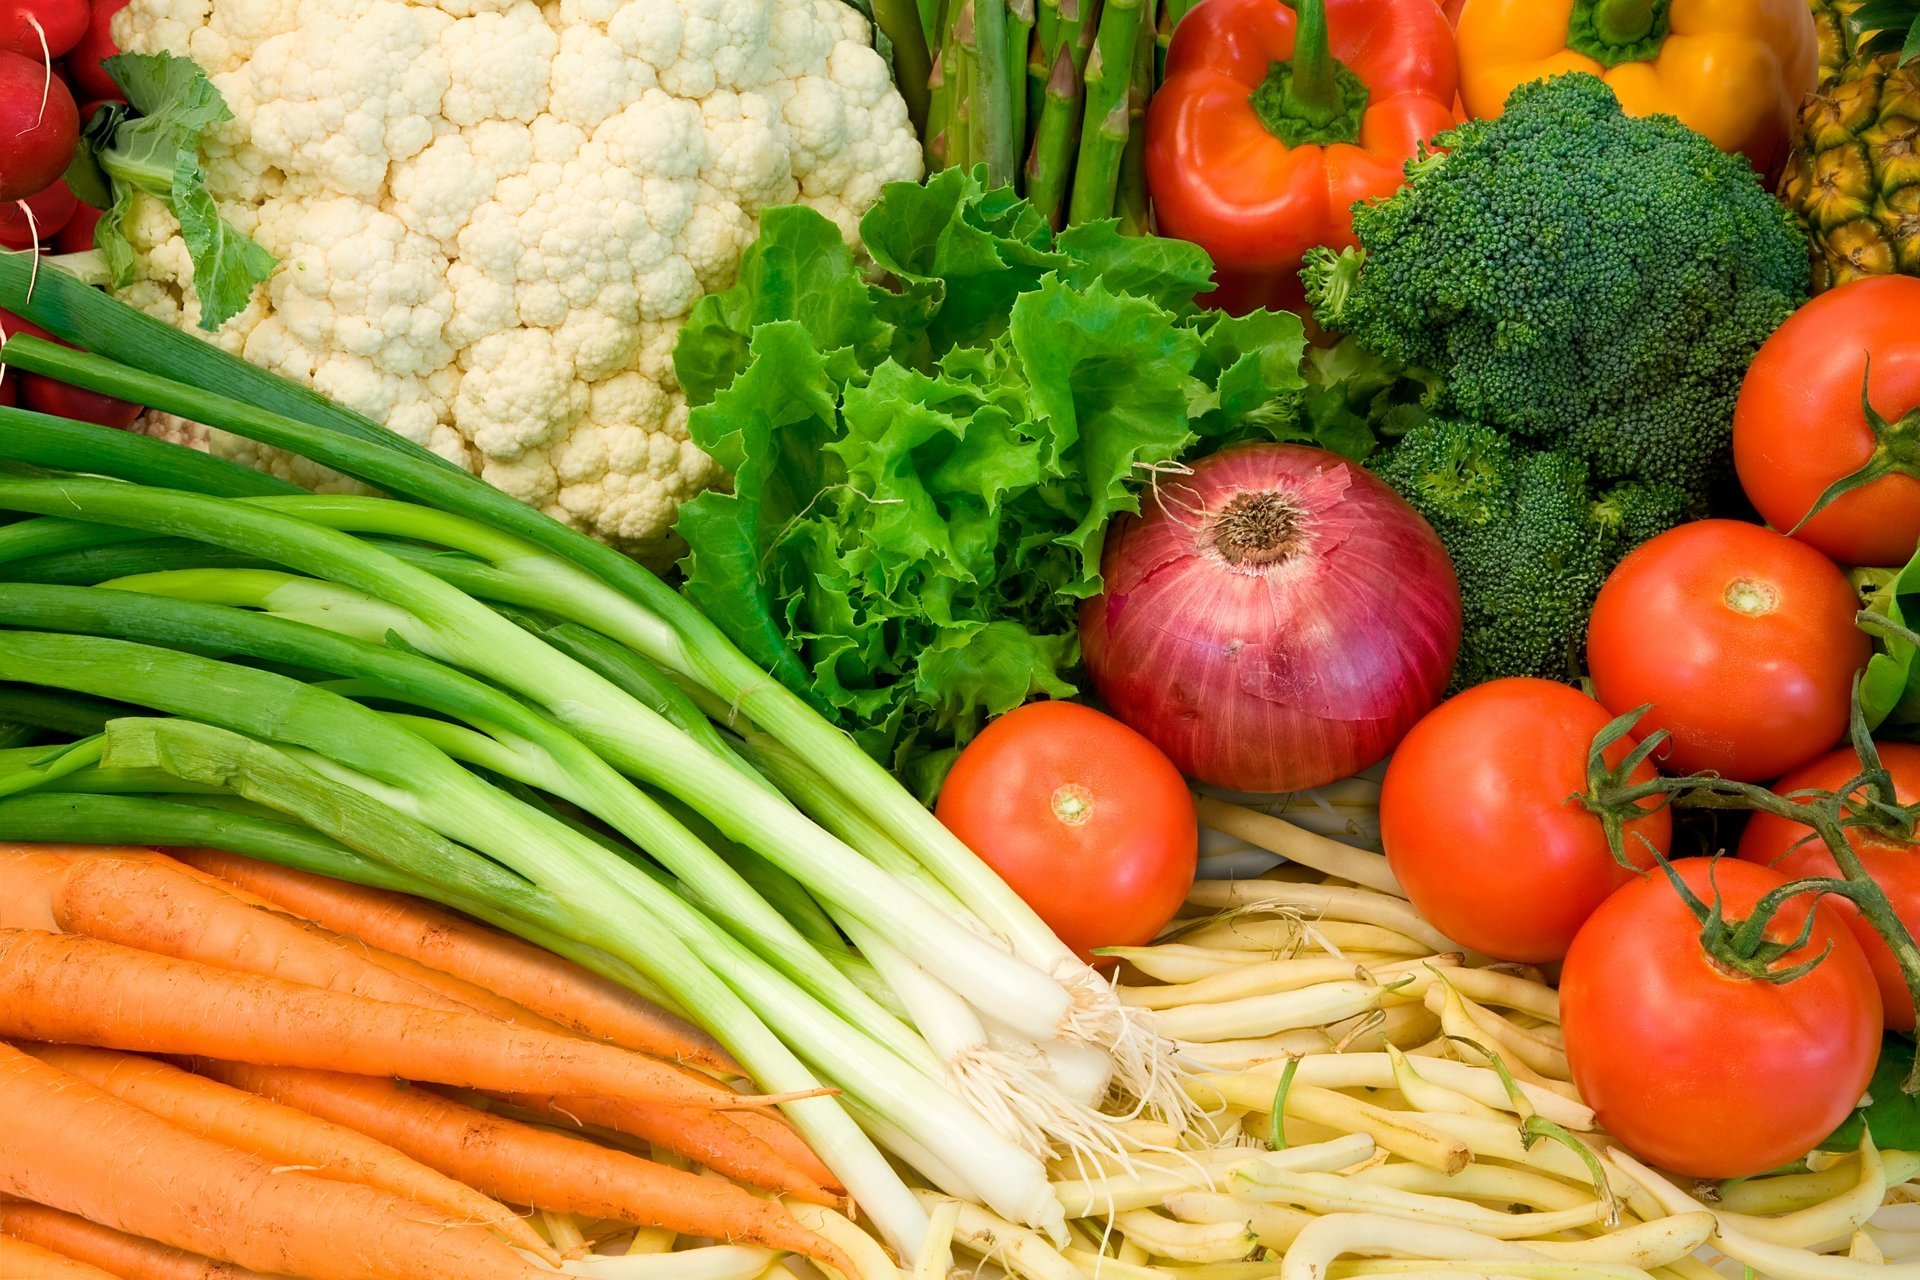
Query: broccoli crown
<point x="1591" y="281"/>
<point x="1529" y="536"/>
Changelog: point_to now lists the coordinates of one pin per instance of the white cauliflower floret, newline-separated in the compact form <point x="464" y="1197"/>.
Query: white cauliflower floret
<point x="492" y="216"/>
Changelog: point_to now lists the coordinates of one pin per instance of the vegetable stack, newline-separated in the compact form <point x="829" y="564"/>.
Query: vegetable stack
<point x="448" y="694"/>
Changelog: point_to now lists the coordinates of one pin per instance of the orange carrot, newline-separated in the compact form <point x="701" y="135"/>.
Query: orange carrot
<point x="67" y="989"/>
<point x="283" y="1135"/>
<point x="22" y="1260"/>
<point x="70" y="1146"/>
<point x="31" y="873"/>
<point x="549" y="985"/>
<point x="128" y="1257"/>
<point x="524" y="1164"/>
<point x="171" y="909"/>
<point x="710" y="1137"/>
<point x="161" y="907"/>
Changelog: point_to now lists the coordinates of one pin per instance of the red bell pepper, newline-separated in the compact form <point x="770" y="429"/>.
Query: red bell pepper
<point x="1272" y="121"/>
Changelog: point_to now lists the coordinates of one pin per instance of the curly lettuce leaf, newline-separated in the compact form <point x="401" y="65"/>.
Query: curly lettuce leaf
<point x="925" y="461"/>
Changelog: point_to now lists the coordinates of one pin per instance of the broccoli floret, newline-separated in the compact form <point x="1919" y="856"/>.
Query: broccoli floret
<point x="1529" y="539"/>
<point x="1590" y="281"/>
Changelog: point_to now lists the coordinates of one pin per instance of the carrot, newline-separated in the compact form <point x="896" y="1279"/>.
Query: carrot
<point x="73" y="1147"/>
<point x="440" y="939"/>
<point x="128" y="1257"/>
<point x="527" y="1165"/>
<point x="171" y="909"/>
<point x="20" y="1260"/>
<point x="711" y="1137"/>
<point x="31" y="873"/>
<point x="68" y="989"/>
<point x="283" y="1135"/>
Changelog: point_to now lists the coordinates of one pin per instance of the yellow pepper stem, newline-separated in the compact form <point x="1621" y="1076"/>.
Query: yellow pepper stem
<point x="1615" y="31"/>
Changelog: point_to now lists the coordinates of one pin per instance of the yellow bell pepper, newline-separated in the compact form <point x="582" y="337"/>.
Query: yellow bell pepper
<point x="1735" y="70"/>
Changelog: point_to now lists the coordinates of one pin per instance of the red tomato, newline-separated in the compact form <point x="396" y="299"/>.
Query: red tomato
<point x="1799" y="425"/>
<point x="1742" y="639"/>
<point x="52" y="210"/>
<point x="1700" y="1069"/>
<point x="1791" y="849"/>
<point x="83" y="63"/>
<point x="1479" y="828"/>
<point x="1088" y="821"/>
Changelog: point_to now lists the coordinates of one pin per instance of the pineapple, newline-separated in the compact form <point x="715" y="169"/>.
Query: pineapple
<point x="1854" y="176"/>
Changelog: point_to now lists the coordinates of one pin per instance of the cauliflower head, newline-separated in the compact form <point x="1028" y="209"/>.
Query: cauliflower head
<point x="491" y="216"/>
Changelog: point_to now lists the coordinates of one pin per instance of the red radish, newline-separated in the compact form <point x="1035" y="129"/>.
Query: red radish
<point x="52" y="209"/>
<point x="42" y="29"/>
<point x="44" y="395"/>
<point x="84" y="71"/>
<point x="77" y="235"/>
<point x="11" y="324"/>
<point x="7" y="383"/>
<point x="41" y="124"/>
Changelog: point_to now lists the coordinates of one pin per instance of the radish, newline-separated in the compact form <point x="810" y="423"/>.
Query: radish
<point x="11" y="324"/>
<point x="42" y="29"/>
<point x="52" y="210"/>
<point x="44" y="395"/>
<point x="83" y="60"/>
<point x="41" y="124"/>
<point x="77" y="235"/>
<point x="7" y="382"/>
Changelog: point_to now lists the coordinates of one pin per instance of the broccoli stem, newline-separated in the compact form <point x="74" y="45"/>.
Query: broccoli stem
<point x="1103" y="128"/>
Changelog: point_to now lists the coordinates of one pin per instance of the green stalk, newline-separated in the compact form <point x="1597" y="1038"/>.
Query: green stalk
<point x="1103" y="126"/>
<point x="938" y="131"/>
<point x="526" y="746"/>
<point x="87" y="566"/>
<point x="971" y="143"/>
<point x="1313" y="93"/>
<point x="1041" y="47"/>
<point x="899" y="22"/>
<point x="44" y="441"/>
<point x="995" y="90"/>
<point x="1020" y="23"/>
<point x="1130" y="198"/>
<point x="328" y="434"/>
<point x="1057" y="127"/>
<point x="1171" y="11"/>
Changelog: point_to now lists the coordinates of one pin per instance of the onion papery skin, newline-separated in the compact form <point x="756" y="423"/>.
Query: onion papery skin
<point x="1276" y="620"/>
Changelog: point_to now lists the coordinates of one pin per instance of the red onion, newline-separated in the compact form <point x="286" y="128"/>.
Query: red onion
<point x="1275" y="620"/>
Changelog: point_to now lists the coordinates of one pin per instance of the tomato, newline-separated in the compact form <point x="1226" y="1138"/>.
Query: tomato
<point x="1792" y="849"/>
<point x="1799" y="425"/>
<point x="1088" y="821"/>
<point x="1696" y="1067"/>
<point x="1480" y="829"/>
<point x="1742" y="639"/>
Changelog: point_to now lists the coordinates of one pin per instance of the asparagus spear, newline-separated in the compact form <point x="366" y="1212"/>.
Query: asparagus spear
<point x="1021" y="17"/>
<point x="992" y="90"/>
<point x="1130" y="201"/>
<point x="1050" y="163"/>
<point x="1042" y="50"/>
<point x="1171" y="11"/>
<point x="963" y="140"/>
<point x="939" y="127"/>
<point x="1103" y="126"/>
<point x="899" y="22"/>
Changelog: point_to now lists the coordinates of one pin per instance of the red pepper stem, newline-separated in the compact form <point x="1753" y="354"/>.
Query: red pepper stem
<point x="1313" y="94"/>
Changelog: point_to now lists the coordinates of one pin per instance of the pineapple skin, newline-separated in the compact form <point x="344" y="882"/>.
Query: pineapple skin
<point x="1854" y="175"/>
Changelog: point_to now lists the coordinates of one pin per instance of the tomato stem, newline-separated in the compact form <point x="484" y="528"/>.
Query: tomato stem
<point x="1896" y="451"/>
<point x="1866" y="801"/>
